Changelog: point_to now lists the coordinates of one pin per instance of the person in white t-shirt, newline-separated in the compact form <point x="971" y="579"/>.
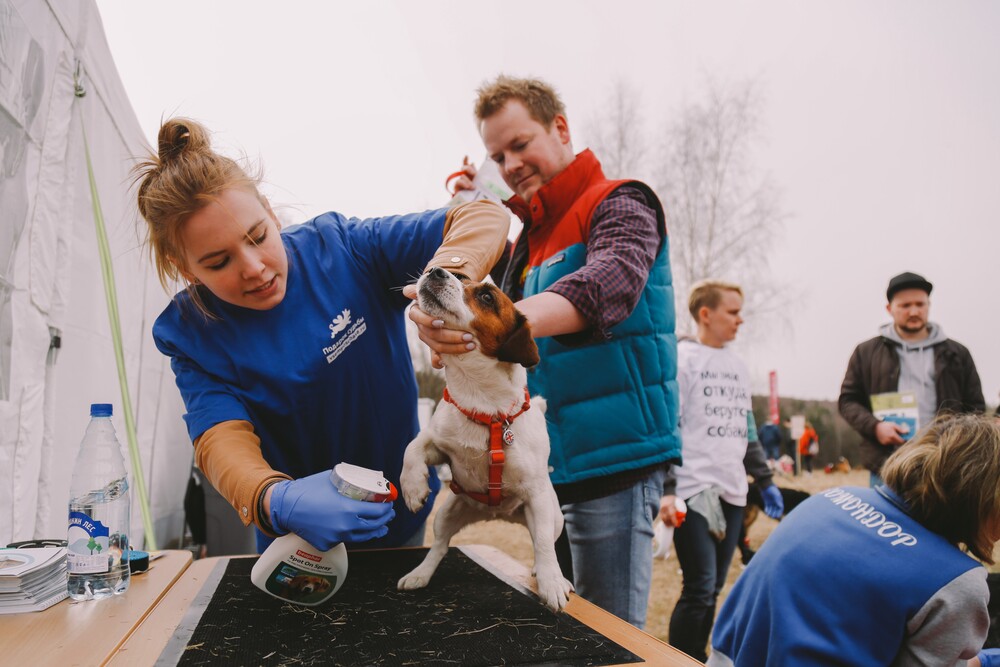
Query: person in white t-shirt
<point x="714" y="391"/>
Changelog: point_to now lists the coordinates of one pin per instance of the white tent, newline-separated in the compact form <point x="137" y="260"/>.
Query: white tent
<point x="57" y="83"/>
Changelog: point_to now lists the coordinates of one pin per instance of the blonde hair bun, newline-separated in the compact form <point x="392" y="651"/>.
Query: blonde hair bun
<point x="179" y="136"/>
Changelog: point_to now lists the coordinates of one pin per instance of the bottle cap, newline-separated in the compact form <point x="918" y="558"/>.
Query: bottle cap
<point x="138" y="561"/>
<point x="362" y="483"/>
<point x="100" y="409"/>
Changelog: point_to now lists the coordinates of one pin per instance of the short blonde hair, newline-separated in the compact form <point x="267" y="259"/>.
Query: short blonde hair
<point x="949" y="475"/>
<point x="539" y="98"/>
<point x="708" y="293"/>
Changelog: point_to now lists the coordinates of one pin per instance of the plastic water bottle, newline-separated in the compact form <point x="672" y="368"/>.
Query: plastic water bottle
<point x="98" y="544"/>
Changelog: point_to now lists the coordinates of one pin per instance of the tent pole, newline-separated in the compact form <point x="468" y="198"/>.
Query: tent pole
<point x="111" y="296"/>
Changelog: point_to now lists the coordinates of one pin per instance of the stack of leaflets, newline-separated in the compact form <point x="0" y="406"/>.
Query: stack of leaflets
<point x="31" y="579"/>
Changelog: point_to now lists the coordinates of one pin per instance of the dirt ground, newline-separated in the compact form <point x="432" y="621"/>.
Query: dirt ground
<point x="666" y="587"/>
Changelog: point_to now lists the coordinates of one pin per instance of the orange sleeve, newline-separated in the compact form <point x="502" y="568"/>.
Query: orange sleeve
<point x="229" y="455"/>
<point x="474" y="237"/>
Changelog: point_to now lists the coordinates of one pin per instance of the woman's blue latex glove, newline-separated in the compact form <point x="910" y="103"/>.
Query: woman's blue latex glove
<point x="774" y="504"/>
<point x="313" y="509"/>
<point x="989" y="657"/>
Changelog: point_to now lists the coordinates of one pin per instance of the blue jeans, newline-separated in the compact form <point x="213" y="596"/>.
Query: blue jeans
<point x="705" y="564"/>
<point x="611" y="539"/>
<point x="772" y="450"/>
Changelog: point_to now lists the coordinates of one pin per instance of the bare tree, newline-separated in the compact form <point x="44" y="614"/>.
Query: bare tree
<point x="722" y="213"/>
<point x="617" y="134"/>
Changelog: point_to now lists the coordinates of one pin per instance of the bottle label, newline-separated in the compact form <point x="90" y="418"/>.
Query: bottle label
<point x="88" y="549"/>
<point x="302" y="583"/>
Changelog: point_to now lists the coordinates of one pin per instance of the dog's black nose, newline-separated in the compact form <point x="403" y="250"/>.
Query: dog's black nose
<point x="438" y="273"/>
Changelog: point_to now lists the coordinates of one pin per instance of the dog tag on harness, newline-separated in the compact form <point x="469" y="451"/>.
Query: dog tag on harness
<point x="508" y="436"/>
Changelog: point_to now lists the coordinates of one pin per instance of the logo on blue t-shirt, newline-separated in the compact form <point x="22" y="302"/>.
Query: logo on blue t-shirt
<point x="338" y="324"/>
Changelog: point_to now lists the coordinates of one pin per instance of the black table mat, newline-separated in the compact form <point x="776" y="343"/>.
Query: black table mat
<point x="465" y="616"/>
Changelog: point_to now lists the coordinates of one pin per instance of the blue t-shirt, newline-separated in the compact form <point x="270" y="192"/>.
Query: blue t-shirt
<point x="325" y="376"/>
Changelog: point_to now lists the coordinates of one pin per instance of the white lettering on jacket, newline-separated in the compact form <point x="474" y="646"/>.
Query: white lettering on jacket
<point x="869" y="517"/>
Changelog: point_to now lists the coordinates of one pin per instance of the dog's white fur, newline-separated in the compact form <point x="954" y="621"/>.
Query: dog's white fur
<point x="482" y="383"/>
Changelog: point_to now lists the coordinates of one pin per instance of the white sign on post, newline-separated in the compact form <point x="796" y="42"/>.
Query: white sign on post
<point x="798" y="426"/>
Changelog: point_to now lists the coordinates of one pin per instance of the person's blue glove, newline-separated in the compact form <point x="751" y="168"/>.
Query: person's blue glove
<point x="989" y="657"/>
<point x="774" y="504"/>
<point x="313" y="509"/>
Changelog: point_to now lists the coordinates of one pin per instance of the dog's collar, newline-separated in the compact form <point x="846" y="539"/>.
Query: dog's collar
<point x="500" y="435"/>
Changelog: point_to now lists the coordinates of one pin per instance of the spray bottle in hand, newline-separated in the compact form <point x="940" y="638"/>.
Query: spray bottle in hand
<point x="294" y="570"/>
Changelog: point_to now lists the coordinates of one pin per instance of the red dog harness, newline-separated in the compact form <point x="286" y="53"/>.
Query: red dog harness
<point x="500" y="435"/>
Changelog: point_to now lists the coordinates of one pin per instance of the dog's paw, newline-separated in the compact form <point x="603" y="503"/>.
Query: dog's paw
<point x="415" y="501"/>
<point x="554" y="592"/>
<point x="413" y="581"/>
<point x="415" y="489"/>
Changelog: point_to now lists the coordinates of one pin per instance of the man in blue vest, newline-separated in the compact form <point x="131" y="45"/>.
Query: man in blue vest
<point x="591" y="271"/>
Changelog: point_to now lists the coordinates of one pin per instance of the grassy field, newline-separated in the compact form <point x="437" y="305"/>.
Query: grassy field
<point x="666" y="587"/>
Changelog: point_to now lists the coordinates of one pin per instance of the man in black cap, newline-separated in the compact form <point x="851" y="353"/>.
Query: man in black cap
<point x="910" y="357"/>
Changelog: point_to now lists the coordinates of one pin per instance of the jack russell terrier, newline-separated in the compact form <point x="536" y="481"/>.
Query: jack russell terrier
<point x="488" y="430"/>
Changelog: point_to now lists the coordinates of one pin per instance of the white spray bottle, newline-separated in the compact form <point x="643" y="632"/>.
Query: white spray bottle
<point x="295" y="571"/>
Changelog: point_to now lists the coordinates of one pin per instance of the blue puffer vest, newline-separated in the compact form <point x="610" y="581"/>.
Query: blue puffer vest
<point x="612" y="404"/>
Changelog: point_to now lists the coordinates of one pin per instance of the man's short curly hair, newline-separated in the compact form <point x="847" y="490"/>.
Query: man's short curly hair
<point x="541" y="100"/>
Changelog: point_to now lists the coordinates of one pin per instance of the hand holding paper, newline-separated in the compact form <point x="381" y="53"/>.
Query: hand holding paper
<point x="898" y="414"/>
<point x="890" y="433"/>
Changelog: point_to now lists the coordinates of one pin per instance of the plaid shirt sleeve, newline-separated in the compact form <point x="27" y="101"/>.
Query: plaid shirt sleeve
<point x="624" y="240"/>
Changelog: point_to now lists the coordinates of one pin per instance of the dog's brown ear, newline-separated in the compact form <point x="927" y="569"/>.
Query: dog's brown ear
<point x="520" y="347"/>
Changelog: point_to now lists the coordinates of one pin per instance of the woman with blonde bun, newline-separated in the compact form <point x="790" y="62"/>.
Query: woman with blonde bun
<point x="289" y="346"/>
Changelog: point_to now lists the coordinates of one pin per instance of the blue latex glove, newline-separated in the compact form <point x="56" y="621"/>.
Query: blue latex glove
<point x="989" y="657"/>
<point x="313" y="509"/>
<point x="774" y="504"/>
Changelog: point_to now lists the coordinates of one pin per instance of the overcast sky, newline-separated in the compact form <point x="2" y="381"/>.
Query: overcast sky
<point x="881" y="126"/>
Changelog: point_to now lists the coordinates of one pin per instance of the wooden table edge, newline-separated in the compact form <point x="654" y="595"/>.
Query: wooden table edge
<point x="142" y="646"/>
<point x="188" y="558"/>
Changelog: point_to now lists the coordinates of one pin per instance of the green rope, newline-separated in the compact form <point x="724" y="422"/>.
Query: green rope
<point x="111" y="296"/>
